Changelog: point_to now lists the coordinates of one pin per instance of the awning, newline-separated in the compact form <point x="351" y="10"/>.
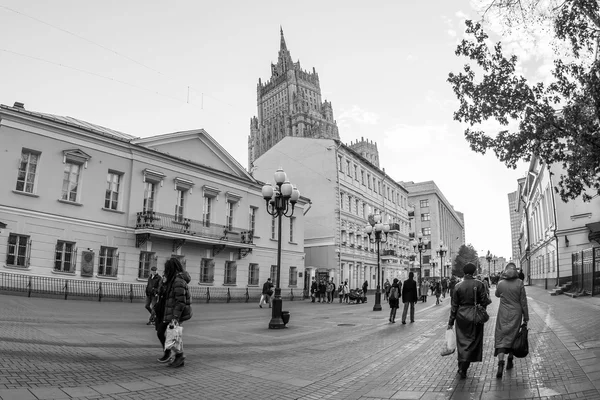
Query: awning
<point x="594" y="234"/>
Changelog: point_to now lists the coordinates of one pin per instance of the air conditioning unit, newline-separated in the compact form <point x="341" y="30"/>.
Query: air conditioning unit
<point x="87" y="263"/>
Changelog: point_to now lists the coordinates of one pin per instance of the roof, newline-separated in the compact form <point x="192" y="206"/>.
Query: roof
<point x="70" y="121"/>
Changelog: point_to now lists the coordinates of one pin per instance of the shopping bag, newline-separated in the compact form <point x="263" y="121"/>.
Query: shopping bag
<point x="174" y="338"/>
<point x="449" y="346"/>
<point x="520" y="346"/>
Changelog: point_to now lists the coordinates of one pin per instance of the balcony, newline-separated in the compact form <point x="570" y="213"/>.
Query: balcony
<point x="411" y="235"/>
<point x="411" y="214"/>
<point x="394" y="228"/>
<point x="154" y="224"/>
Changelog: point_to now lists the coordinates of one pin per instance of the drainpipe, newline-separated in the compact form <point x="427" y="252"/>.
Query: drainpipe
<point x="555" y="229"/>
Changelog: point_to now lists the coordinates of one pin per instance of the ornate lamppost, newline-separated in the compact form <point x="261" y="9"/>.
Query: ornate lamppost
<point x="279" y="199"/>
<point x="377" y="234"/>
<point x="489" y="257"/>
<point x="420" y="246"/>
<point x="434" y="264"/>
<point x="442" y="252"/>
<point x="494" y="260"/>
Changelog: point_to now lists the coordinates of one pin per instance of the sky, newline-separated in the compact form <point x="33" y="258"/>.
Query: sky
<point x="144" y="69"/>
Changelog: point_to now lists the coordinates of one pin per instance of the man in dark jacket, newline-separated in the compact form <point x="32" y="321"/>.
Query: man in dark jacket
<point x="409" y="297"/>
<point x="266" y="293"/>
<point x="152" y="293"/>
<point x="314" y="289"/>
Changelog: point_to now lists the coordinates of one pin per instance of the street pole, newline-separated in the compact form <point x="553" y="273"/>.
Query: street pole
<point x="377" y="305"/>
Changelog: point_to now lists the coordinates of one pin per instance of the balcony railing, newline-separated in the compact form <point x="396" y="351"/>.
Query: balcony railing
<point x="175" y="224"/>
<point x="394" y="227"/>
<point x="392" y="253"/>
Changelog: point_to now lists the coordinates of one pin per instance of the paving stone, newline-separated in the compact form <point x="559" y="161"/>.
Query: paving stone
<point x="110" y="388"/>
<point x="16" y="394"/>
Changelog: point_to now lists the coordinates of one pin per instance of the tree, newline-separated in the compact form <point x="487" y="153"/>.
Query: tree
<point x="559" y="121"/>
<point x="466" y="254"/>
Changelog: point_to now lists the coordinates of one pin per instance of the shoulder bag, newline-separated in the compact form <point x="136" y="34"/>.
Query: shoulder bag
<point x="480" y="313"/>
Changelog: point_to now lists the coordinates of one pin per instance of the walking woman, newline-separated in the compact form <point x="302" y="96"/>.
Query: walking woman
<point x="469" y="336"/>
<point x="512" y="309"/>
<point x="174" y="304"/>
<point x="394" y="299"/>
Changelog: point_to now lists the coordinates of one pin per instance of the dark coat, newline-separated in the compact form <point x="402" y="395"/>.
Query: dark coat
<point x="267" y="287"/>
<point x="469" y="336"/>
<point x="395" y="303"/>
<point x="409" y="291"/>
<point x="153" y="284"/>
<point x="176" y="300"/>
<point x="314" y="287"/>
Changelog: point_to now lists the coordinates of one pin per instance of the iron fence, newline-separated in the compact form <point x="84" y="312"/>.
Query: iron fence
<point x="98" y="290"/>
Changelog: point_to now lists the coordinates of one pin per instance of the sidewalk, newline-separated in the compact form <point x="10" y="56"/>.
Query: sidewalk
<point x="56" y="349"/>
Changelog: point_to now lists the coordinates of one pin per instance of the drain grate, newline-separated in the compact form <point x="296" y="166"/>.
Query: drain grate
<point x="346" y="324"/>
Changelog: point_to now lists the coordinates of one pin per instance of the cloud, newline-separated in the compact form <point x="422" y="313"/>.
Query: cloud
<point x="407" y="137"/>
<point x="357" y="115"/>
<point x="452" y="32"/>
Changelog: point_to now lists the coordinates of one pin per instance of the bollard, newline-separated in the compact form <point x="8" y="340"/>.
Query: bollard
<point x="29" y="291"/>
<point x="131" y="293"/>
<point x="99" y="291"/>
<point x="247" y="295"/>
<point x="66" y="289"/>
<point x="228" y="295"/>
<point x="291" y="294"/>
<point x="207" y="294"/>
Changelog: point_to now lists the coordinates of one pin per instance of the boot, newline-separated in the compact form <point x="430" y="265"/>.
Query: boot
<point x="500" y="369"/>
<point x="178" y="361"/>
<point x="166" y="356"/>
<point x="509" y="364"/>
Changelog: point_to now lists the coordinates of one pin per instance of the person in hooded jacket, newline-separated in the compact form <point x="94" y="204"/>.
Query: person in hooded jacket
<point x="512" y="310"/>
<point x="469" y="335"/>
<point x="174" y="305"/>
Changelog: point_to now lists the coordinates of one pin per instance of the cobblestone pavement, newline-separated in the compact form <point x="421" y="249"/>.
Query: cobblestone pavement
<point x="56" y="349"/>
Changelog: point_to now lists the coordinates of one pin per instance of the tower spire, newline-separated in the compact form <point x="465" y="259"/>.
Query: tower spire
<point x="282" y="45"/>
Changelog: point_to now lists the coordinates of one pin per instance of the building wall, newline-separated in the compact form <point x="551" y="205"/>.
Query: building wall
<point x="45" y="219"/>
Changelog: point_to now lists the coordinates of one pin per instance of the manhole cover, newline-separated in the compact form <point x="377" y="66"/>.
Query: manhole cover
<point x="590" y="344"/>
<point x="346" y="325"/>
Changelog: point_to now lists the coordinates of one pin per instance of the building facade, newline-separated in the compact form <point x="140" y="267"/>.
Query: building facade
<point x="345" y="187"/>
<point x="289" y="104"/>
<point x="552" y="230"/>
<point x="515" y="225"/>
<point x="439" y="223"/>
<point x="86" y="202"/>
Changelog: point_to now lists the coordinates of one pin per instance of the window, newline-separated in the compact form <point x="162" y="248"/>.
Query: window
<point x="425" y="217"/>
<point x="108" y="264"/>
<point x="369" y="181"/>
<point x="426" y="259"/>
<point x="207" y="270"/>
<point x="293" y="276"/>
<point x="424" y="203"/>
<point x="273" y="273"/>
<point x="273" y="228"/>
<point x="229" y="215"/>
<point x="230" y="273"/>
<point x="379" y="187"/>
<point x="340" y="164"/>
<point x="113" y="186"/>
<point x="374" y="184"/>
<point x="27" y="171"/>
<point x="252" y="219"/>
<point x="348" y="167"/>
<point x="292" y="221"/>
<point x="356" y="172"/>
<point x="65" y="256"/>
<point x="149" y="196"/>
<point x="207" y="210"/>
<point x="349" y="203"/>
<point x="426" y="231"/>
<point x="357" y="206"/>
<point x="364" y="210"/>
<point x="253" y="274"/>
<point x="179" y="205"/>
<point x="71" y="174"/>
<point x="362" y="176"/>
<point x="19" y="247"/>
<point x="147" y="261"/>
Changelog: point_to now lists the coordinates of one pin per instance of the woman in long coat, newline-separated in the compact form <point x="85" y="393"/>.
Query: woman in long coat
<point x="395" y="302"/>
<point x="512" y="309"/>
<point x="174" y="304"/>
<point x="469" y="336"/>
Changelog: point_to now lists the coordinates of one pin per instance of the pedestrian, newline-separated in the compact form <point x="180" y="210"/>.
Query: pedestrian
<point x="365" y="287"/>
<point x="346" y="292"/>
<point x="512" y="310"/>
<point x="386" y="286"/>
<point x="451" y="286"/>
<point x="330" y="287"/>
<point x="469" y="335"/>
<point x="437" y="288"/>
<point x="152" y="294"/>
<point x="332" y="293"/>
<point x="409" y="297"/>
<point x="394" y="299"/>
<point x="341" y="292"/>
<point x="322" y="290"/>
<point x="267" y="292"/>
<point x="174" y="305"/>
<point x="314" y="288"/>
<point x="521" y="275"/>
<point x="444" y="287"/>
<point x="424" y="290"/>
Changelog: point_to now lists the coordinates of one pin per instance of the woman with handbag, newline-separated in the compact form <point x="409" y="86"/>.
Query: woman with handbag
<point x="174" y="305"/>
<point x="511" y="311"/>
<point x="467" y="297"/>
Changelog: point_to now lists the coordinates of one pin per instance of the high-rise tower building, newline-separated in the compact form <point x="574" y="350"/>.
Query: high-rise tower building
<point x="515" y="225"/>
<point x="289" y="104"/>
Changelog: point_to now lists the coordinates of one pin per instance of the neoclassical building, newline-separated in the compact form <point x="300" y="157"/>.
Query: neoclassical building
<point x="345" y="185"/>
<point x="86" y="202"/>
<point x="289" y="104"/>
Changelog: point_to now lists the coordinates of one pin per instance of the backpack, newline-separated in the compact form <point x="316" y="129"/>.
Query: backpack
<point x="394" y="293"/>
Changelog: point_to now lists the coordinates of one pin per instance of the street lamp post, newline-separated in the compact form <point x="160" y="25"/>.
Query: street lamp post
<point x="420" y="246"/>
<point x="494" y="260"/>
<point x="377" y="234"/>
<point x="488" y="257"/>
<point x="442" y="252"/>
<point x="279" y="199"/>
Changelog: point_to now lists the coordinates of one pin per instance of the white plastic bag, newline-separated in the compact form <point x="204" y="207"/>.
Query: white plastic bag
<point x="449" y="342"/>
<point x="174" y="339"/>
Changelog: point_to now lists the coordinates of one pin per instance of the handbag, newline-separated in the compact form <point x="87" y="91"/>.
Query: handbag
<point x="520" y="346"/>
<point x="481" y="315"/>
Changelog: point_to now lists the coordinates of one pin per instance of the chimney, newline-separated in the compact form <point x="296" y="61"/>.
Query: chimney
<point x="19" y="105"/>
